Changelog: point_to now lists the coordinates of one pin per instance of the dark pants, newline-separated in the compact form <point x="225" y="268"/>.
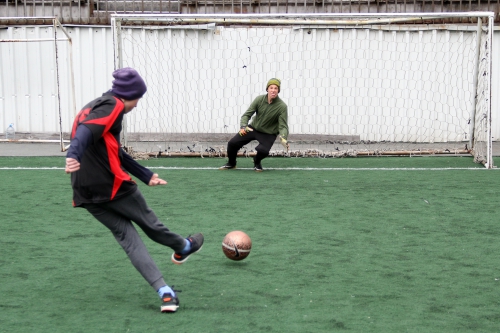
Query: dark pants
<point x="265" y="140"/>
<point x="117" y="216"/>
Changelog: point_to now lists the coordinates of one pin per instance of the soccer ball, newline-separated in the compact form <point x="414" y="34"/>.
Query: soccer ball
<point x="236" y="245"/>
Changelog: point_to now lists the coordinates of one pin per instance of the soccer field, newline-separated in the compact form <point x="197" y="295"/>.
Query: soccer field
<point x="379" y="244"/>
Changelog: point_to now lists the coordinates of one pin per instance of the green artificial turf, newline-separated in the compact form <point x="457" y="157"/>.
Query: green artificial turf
<point x="354" y="244"/>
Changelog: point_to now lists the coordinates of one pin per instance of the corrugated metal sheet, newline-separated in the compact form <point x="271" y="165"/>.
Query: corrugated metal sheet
<point x="227" y="82"/>
<point x="29" y="95"/>
<point x="398" y="85"/>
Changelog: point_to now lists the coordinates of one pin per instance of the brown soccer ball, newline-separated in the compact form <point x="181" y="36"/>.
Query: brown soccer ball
<point x="236" y="245"/>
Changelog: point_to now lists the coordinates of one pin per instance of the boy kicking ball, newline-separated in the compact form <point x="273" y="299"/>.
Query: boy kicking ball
<point x="102" y="185"/>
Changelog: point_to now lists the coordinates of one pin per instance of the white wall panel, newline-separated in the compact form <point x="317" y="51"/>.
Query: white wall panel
<point x="93" y="65"/>
<point x="28" y="90"/>
<point x="29" y="96"/>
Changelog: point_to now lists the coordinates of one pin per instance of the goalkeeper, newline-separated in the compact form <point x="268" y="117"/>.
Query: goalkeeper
<point x="270" y="120"/>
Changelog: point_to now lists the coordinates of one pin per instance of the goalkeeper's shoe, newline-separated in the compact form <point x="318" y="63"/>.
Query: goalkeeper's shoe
<point x="196" y="241"/>
<point x="258" y="167"/>
<point x="170" y="303"/>
<point x="228" y="166"/>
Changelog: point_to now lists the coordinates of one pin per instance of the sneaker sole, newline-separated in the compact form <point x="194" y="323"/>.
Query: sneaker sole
<point x="177" y="262"/>
<point x="227" y="168"/>
<point x="169" y="308"/>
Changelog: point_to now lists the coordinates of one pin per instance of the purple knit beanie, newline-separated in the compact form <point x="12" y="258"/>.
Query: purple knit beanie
<point x="128" y="84"/>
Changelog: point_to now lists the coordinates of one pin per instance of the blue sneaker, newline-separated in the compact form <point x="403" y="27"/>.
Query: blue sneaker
<point x="196" y="241"/>
<point x="170" y="303"/>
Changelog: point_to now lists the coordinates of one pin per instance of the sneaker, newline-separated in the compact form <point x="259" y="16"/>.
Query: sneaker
<point x="170" y="303"/>
<point x="196" y="244"/>
<point x="258" y="167"/>
<point x="228" y="166"/>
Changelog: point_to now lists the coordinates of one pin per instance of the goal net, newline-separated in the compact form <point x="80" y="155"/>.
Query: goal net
<point x="355" y="84"/>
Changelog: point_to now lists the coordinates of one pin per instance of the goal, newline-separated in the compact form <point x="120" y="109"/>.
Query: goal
<point x="355" y="84"/>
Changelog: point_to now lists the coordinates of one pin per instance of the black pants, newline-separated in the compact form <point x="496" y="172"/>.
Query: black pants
<point x="265" y="140"/>
<point x="117" y="216"/>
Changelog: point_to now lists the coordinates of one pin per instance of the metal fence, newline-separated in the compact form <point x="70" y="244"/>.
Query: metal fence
<point x="92" y="12"/>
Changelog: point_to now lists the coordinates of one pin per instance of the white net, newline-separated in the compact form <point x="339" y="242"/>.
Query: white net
<point x="352" y="88"/>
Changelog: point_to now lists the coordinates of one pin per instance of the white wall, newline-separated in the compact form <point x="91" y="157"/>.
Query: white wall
<point x="29" y="96"/>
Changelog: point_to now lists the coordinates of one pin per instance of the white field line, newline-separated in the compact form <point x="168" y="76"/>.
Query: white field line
<point x="281" y="169"/>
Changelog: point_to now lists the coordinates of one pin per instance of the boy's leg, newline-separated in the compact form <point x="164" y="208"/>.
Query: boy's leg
<point x="128" y="238"/>
<point x="135" y="208"/>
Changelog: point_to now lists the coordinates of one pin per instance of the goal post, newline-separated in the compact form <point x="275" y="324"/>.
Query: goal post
<point x="355" y="84"/>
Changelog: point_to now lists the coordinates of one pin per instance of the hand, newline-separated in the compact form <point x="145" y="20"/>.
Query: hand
<point x="156" y="181"/>
<point x="284" y="143"/>
<point x="245" y="130"/>
<point x="72" y="165"/>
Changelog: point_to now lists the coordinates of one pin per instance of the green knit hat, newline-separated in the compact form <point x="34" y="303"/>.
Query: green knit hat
<point x="274" y="81"/>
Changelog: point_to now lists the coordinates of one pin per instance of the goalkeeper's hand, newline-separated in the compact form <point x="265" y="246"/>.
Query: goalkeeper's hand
<point x="244" y="130"/>
<point x="284" y="143"/>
